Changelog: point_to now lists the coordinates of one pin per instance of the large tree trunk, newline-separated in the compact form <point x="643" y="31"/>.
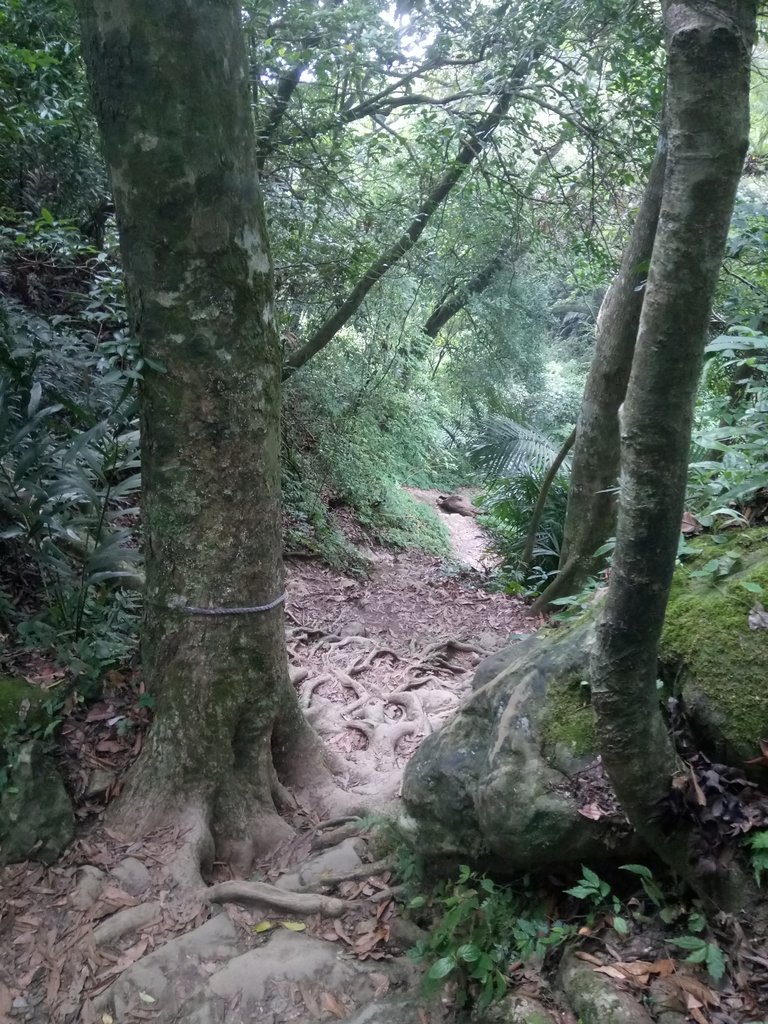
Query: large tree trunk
<point x="708" y="58"/>
<point x="170" y="89"/>
<point x="591" y="515"/>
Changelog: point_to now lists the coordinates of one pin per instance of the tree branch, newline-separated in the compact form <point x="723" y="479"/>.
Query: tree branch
<point x="265" y="140"/>
<point x="469" y="150"/>
<point x="538" y="510"/>
<point x="452" y="305"/>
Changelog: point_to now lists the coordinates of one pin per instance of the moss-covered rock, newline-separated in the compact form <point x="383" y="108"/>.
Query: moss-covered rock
<point x="708" y="650"/>
<point x="514" y="1009"/>
<point x="36" y="818"/>
<point x="21" y="706"/>
<point x="596" y="998"/>
<point x="497" y="783"/>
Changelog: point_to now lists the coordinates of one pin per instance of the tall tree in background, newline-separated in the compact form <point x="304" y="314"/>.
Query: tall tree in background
<point x="170" y="89"/>
<point x="591" y="513"/>
<point x="708" y="73"/>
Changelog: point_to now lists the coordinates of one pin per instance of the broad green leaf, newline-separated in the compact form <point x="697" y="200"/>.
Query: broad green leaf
<point x="638" y="869"/>
<point x="715" y="961"/>
<point x="441" y="968"/>
<point x="469" y="953"/>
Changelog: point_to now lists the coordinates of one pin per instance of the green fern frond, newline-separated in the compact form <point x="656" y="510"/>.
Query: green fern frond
<point x="504" y="447"/>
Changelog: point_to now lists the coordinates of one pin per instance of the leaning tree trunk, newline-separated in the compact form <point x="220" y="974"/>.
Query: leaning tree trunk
<point x="170" y="89"/>
<point x="591" y="514"/>
<point x="708" y="59"/>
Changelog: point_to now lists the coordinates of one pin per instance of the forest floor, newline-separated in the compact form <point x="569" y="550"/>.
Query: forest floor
<point x="379" y="662"/>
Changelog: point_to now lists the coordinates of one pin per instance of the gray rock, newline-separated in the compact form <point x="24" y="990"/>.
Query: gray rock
<point x="200" y="977"/>
<point x="595" y="998"/>
<point x="168" y="975"/>
<point x="337" y="860"/>
<point x="88" y="885"/>
<point x="36" y="817"/>
<point x="132" y="876"/>
<point x="395" y="1010"/>
<point x="100" y="782"/>
<point x="494" y="782"/>
<point x="514" y="1009"/>
<point x="497" y="783"/>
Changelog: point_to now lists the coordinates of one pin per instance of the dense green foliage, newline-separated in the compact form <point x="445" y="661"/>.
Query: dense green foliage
<point x="463" y="363"/>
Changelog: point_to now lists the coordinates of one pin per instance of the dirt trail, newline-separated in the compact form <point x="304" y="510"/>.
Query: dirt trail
<point x="382" y="662"/>
<point x="469" y="541"/>
<point x="378" y="663"/>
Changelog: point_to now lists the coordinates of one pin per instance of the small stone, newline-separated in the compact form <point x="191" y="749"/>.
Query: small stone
<point x="132" y="876"/>
<point x="100" y="782"/>
<point x="90" y="881"/>
<point x="290" y="881"/>
<point x="20" y="1003"/>
<point x="336" y="861"/>
<point x="354" y="628"/>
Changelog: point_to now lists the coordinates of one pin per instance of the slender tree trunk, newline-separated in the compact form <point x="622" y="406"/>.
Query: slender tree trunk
<point x="170" y="89"/>
<point x="591" y="515"/>
<point x="708" y="60"/>
<point x="541" y="502"/>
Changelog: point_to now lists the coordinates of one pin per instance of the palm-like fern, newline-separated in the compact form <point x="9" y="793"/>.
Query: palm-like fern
<point x="504" y="448"/>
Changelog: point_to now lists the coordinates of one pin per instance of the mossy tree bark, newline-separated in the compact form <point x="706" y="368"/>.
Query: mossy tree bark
<point x="170" y="90"/>
<point x="591" y="513"/>
<point x="708" y="61"/>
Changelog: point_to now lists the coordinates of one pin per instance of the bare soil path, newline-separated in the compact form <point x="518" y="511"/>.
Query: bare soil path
<point x="380" y="662"/>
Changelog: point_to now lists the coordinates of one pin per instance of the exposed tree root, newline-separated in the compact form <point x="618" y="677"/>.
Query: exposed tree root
<point x="329" y="881"/>
<point x="368" y="660"/>
<point x="130" y="919"/>
<point x="300" y="903"/>
<point x="391" y="892"/>
<point x="337" y="835"/>
<point x="382" y="734"/>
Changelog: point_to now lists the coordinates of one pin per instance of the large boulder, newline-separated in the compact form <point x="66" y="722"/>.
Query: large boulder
<point x="513" y="780"/>
<point x="36" y="817"/>
<point x="710" y="653"/>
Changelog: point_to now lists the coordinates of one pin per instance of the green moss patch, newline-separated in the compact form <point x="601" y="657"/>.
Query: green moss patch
<point x="568" y="721"/>
<point x="21" y="705"/>
<point x="706" y="630"/>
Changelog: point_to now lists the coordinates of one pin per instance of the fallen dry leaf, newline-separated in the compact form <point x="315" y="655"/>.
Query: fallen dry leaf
<point x="694" y="1008"/>
<point x="762" y="760"/>
<point x="696" y="989"/>
<point x="332" y="1005"/>
<point x="592" y="811"/>
<point x="612" y="972"/>
<point x="690" y="525"/>
<point x="582" y="954"/>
